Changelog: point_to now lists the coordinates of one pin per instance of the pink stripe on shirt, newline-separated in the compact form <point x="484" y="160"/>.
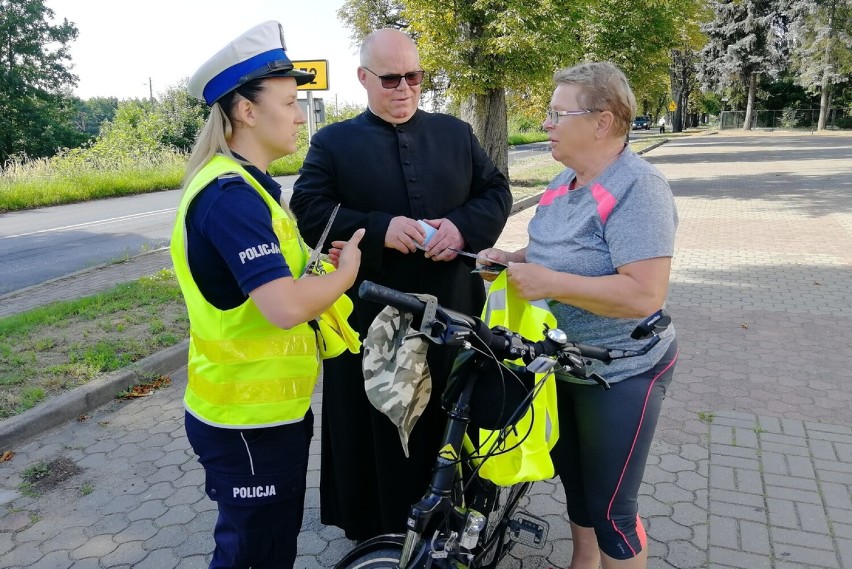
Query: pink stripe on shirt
<point x="550" y="194"/>
<point x="606" y="202"/>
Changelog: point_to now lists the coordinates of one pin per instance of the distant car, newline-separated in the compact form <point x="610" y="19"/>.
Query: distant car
<point x="643" y="123"/>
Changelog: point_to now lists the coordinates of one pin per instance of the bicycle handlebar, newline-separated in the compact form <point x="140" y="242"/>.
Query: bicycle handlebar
<point x="445" y="326"/>
<point x="383" y="295"/>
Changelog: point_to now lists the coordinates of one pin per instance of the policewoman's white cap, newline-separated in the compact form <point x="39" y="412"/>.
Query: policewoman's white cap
<point x="259" y="52"/>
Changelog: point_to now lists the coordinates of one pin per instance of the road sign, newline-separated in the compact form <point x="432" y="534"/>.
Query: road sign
<point x="672" y="106"/>
<point x="318" y="67"/>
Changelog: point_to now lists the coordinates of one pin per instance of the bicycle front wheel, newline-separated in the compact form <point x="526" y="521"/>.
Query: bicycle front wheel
<point x="388" y="558"/>
<point x="379" y="559"/>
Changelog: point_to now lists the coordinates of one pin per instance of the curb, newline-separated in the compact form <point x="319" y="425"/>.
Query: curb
<point x="653" y="146"/>
<point x="84" y="399"/>
<point x="69" y="276"/>
<point x="524" y="203"/>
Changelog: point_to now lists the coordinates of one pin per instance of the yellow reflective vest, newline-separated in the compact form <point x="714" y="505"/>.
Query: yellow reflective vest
<point x="525" y="452"/>
<point x="243" y="370"/>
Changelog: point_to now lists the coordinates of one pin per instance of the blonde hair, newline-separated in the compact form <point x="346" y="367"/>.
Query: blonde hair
<point x="603" y="87"/>
<point x="212" y="140"/>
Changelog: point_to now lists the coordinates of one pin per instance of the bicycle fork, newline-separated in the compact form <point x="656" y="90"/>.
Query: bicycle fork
<point x="465" y="525"/>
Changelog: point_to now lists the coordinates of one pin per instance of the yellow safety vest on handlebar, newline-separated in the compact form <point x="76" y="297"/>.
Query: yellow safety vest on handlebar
<point x="524" y="455"/>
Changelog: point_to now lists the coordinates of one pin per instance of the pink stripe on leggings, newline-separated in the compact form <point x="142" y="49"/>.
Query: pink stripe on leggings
<point x="630" y="454"/>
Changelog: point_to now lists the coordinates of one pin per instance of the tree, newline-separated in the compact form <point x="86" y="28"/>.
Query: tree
<point x="365" y="16"/>
<point x="822" y="52"/>
<point x="178" y="117"/>
<point x="684" y="57"/>
<point x="36" y="116"/>
<point x="746" y="40"/>
<point x="486" y="47"/>
<point x="474" y="50"/>
<point x="683" y="75"/>
<point x="141" y="127"/>
<point x="635" y="35"/>
<point x="90" y="114"/>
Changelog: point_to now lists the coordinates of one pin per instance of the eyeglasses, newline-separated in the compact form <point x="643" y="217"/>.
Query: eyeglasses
<point x="553" y="116"/>
<point x="392" y="81"/>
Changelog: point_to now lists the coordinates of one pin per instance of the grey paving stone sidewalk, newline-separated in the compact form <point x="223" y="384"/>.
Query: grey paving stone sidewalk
<point x="752" y="466"/>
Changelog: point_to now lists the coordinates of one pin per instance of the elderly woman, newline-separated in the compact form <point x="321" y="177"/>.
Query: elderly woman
<point x="600" y="249"/>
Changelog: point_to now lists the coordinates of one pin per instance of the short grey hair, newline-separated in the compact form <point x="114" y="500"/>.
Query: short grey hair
<point x="603" y="87"/>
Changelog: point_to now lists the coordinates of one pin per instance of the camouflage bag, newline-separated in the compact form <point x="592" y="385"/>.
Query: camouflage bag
<point x="396" y="376"/>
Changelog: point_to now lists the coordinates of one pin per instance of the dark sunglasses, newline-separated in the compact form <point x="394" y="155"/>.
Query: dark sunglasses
<point x="392" y="81"/>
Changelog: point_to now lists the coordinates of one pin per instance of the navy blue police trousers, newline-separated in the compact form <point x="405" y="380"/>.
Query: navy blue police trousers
<point x="257" y="479"/>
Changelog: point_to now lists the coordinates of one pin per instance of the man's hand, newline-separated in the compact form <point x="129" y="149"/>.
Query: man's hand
<point x="447" y="235"/>
<point x="404" y="234"/>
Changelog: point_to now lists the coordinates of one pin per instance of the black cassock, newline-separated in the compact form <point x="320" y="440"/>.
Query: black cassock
<point x="428" y="168"/>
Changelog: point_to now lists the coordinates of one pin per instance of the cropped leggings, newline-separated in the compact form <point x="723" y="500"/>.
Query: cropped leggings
<point x="604" y="440"/>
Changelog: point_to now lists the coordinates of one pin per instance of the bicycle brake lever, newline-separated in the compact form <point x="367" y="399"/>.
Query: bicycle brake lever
<point x="542" y="364"/>
<point x="600" y="381"/>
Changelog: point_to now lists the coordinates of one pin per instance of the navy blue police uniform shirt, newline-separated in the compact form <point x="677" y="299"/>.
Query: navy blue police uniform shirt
<point x="231" y="246"/>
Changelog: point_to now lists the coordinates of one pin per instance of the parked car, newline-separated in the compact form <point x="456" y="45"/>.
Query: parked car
<point x="643" y="123"/>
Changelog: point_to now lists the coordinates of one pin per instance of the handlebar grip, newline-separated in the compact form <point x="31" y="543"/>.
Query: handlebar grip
<point x="594" y="352"/>
<point x="384" y="295"/>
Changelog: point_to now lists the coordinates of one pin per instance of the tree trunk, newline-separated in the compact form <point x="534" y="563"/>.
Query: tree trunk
<point x="823" y="102"/>
<point x="826" y="73"/>
<point x="752" y="88"/>
<point x="486" y="114"/>
<point x="677" y="88"/>
<point x="677" y="115"/>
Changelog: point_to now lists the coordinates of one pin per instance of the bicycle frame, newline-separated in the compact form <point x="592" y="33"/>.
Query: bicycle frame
<point x="443" y="507"/>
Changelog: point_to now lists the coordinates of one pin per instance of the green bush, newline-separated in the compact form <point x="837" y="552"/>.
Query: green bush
<point x="144" y="148"/>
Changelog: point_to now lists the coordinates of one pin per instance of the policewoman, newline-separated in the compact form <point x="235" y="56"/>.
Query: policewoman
<point x="254" y="351"/>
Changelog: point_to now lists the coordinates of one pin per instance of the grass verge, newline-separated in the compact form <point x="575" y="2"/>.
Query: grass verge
<point x="49" y="350"/>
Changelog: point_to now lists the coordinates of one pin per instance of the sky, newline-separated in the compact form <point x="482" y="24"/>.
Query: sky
<point x="122" y="44"/>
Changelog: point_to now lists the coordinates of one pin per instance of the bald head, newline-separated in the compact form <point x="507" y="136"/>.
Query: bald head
<point x="378" y="44"/>
<point x="390" y="54"/>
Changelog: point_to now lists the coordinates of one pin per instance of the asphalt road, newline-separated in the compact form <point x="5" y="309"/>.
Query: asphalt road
<point x="46" y="243"/>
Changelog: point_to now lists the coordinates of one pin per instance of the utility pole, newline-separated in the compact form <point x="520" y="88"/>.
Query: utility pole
<point x="151" y="90"/>
<point x="312" y="115"/>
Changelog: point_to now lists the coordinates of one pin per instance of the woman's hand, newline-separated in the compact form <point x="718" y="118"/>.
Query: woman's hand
<point x="532" y="282"/>
<point x="492" y="254"/>
<point x="345" y="255"/>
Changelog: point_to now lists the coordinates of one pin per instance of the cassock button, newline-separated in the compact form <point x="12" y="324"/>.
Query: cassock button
<point x="401" y="130"/>
<point x="213" y="491"/>
<point x="405" y="145"/>
<point x="411" y="179"/>
<point x="407" y="162"/>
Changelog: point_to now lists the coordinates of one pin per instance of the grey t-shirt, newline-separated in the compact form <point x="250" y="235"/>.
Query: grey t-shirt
<point x="626" y="214"/>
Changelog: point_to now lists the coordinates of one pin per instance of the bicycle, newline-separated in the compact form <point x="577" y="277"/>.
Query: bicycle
<point x="463" y="520"/>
